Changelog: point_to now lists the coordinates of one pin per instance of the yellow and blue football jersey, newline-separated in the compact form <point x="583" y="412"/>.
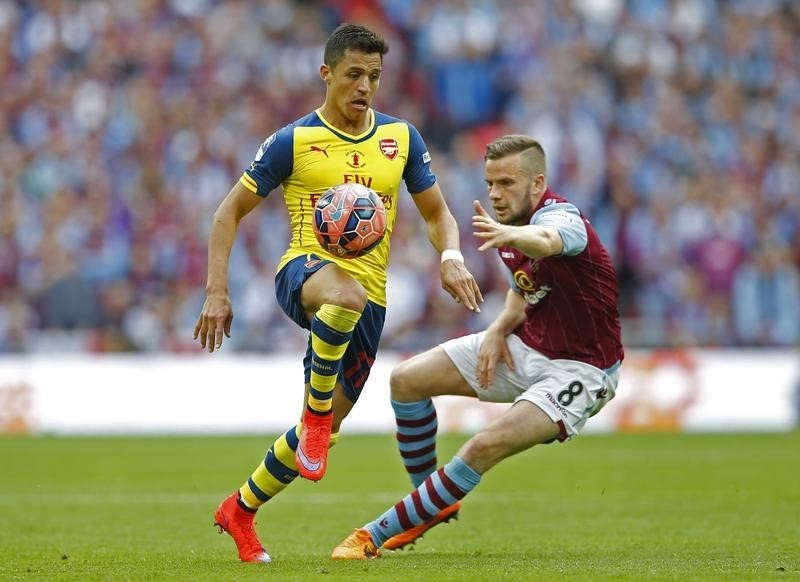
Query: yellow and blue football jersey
<point x="310" y="156"/>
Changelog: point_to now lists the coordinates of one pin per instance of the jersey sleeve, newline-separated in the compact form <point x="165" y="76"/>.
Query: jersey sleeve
<point x="272" y="164"/>
<point x="567" y="220"/>
<point x="417" y="173"/>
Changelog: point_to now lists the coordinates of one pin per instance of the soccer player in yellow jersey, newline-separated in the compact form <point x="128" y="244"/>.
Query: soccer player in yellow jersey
<point x="341" y="302"/>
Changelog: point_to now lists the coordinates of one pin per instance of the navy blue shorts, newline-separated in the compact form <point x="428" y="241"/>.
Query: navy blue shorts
<point x="361" y="351"/>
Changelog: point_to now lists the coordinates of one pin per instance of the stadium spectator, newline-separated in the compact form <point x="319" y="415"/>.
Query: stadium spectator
<point x="122" y="119"/>
<point x="766" y="311"/>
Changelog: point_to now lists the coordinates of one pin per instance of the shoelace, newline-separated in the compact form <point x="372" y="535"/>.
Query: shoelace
<point x="248" y="527"/>
<point x="314" y="447"/>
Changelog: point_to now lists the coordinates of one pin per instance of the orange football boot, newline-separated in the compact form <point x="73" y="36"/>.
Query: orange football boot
<point x="357" y="546"/>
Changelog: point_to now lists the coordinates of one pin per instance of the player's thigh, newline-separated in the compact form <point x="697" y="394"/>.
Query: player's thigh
<point x="570" y="392"/>
<point x="431" y="373"/>
<point x="332" y="285"/>
<point x="517" y="429"/>
<point x="506" y="385"/>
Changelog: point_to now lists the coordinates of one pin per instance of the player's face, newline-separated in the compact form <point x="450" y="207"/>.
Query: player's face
<point x="352" y="84"/>
<point x="513" y="192"/>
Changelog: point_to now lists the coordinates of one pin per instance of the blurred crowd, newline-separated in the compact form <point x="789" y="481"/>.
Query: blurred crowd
<point x="673" y="124"/>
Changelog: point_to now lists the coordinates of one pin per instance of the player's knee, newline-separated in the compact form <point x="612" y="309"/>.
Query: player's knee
<point x="352" y="297"/>
<point x="483" y="451"/>
<point x="402" y="383"/>
<point x="332" y="286"/>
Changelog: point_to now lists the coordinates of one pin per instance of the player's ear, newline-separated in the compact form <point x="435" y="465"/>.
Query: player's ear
<point x="325" y="73"/>
<point x="538" y="185"/>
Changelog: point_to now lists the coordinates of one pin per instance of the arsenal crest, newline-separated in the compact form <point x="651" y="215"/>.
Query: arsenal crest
<point x="389" y="148"/>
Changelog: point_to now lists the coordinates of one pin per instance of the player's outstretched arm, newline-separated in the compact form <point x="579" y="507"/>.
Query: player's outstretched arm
<point x="217" y="313"/>
<point x="443" y="234"/>
<point x="535" y="241"/>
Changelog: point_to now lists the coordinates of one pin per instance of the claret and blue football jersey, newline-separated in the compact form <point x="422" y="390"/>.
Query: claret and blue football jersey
<point x="572" y="298"/>
<point x="309" y="156"/>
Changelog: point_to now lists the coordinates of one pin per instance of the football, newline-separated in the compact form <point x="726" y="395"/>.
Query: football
<point x="349" y="220"/>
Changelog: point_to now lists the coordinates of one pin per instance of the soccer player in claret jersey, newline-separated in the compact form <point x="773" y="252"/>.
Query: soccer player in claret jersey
<point x="554" y="351"/>
<point x="340" y="301"/>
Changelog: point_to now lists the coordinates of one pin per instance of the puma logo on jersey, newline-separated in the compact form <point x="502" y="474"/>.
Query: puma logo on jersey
<point x="319" y="149"/>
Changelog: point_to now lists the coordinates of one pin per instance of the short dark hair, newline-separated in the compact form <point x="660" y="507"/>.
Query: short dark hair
<point x="352" y="37"/>
<point x="534" y="158"/>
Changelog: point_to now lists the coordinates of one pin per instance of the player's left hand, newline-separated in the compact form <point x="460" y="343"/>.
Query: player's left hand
<point x="460" y="284"/>
<point x="495" y="234"/>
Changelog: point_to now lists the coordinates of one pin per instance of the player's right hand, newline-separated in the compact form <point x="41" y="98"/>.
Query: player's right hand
<point x="493" y="349"/>
<point x="493" y="233"/>
<point x="215" y="319"/>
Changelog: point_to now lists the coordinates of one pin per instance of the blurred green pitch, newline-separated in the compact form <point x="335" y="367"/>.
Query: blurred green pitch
<point x="622" y="507"/>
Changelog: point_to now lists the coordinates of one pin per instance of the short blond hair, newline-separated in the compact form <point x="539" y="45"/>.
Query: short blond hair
<point x="533" y="156"/>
